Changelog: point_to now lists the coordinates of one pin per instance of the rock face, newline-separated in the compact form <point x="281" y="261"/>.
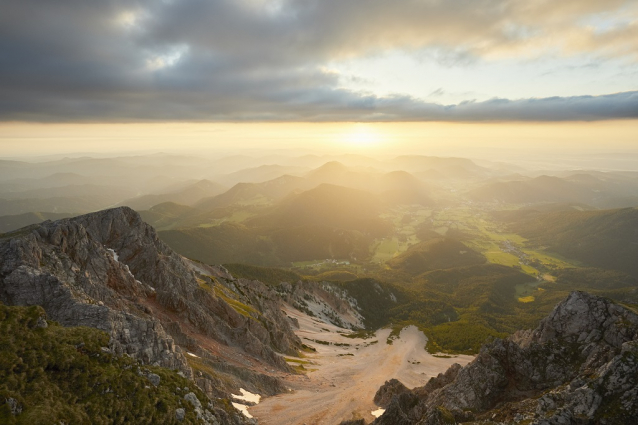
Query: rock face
<point x="263" y="317"/>
<point x="390" y="389"/>
<point x="66" y="267"/>
<point x="580" y="366"/>
<point x="109" y="270"/>
<point x="325" y="301"/>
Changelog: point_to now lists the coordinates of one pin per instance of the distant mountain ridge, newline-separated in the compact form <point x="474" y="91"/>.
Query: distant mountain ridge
<point x="188" y="195"/>
<point x="605" y="239"/>
<point x="271" y="190"/>
<point x="9" y="223"/>
<point x="596" y="190"/>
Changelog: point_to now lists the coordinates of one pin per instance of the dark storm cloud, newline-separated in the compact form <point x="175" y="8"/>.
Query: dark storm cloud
<point x="199" y="60"/>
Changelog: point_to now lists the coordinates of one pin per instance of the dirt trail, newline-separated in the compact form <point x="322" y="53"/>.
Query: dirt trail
<point x="343" y="379"/>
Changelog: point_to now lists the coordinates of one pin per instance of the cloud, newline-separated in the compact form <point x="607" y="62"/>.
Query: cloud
<point x="72" y="60"/>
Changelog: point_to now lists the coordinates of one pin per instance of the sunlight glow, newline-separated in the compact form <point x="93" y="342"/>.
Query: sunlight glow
<point x="485" y="140"/>
<point x="362" y="135"/>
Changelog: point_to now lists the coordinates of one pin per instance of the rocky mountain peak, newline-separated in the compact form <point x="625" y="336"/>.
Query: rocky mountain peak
<point x="580" y="365"/>
<point x="585" y="318"/>
<point x="110" y="271"/>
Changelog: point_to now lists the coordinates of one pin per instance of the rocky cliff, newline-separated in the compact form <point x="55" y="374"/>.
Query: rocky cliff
<point x="108" y="270"/>
<point x="580" y="366"/>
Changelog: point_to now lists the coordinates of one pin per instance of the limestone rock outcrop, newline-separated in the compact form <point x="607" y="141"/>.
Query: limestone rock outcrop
<point x="109" y="270"/>
<point x="70" y="268"/>
<point x="390" y="389"/>
<point x="580" y="366"/>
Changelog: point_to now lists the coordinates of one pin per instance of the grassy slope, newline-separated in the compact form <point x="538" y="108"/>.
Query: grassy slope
<point x="236" y="243"/>
<point x="603" y="239"/>
<point x="59" y="374"/>
<point x="435" y="254"/>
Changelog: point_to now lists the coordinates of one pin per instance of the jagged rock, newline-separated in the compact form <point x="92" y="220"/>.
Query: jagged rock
<point x="388" y="390"/>
<point x="580" y="364"/>
<point x="441" y="380"/>
<point x="402" y="410"/>
<point x="180" y="414"/>
<point x="192" y="399"/>
<point x="14" y="407"/>
<point x="65" y="267"/>
<point x="272" y="324"/>
<point x="42" y="323"/>
<point x="324" y="300"/>
<point x="154" y="379"/>
<point x="110" y="271"/>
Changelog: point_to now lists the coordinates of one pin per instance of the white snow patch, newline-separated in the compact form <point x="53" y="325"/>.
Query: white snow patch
<point x="243" y="409"/>
<point x="247" y="396"/>
<point x="378" y="412"/>
<point x="115" y="256"/>
<point x="128" y="271"/>
<point x="325" y="313"/>
<point x="191" y="354"/>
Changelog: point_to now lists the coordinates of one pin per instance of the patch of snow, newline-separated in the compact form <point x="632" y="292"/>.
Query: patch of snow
<point x="115" y="256"/>
<point x="243" y="409"/>
<point x="128" y="271"/>
<point x="191" y="354"/>
<point x="378" y="412"/>
<point x="247" y="396"/>
<point x="327" y="314"/>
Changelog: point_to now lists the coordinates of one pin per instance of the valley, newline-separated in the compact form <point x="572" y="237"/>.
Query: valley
<point x="434" y="228"/>
<point x="342" y="373"/>
<point x="311" y="291"/>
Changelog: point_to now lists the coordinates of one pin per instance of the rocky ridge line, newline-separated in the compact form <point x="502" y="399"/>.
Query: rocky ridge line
<point x="579" y="366"/>
<point x="109" y="270"/>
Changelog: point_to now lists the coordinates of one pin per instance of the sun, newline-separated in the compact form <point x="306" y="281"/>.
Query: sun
<point x="363" y="136"/>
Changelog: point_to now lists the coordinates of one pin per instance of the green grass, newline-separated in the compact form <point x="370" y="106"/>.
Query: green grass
<point x="385" y="249"/>
<point x="298" y="361"/>
<point x="226" y="294"/>
<point x="526" y="289"/>
<point x="362" y="334"/>
<point x="461" y="337"/>
<point x="268" y="275"/>
<point x="527" y="299"/>
<point x="62" y="375"/>
<point x="394" y="333"/>
<point x="238" y="306"/>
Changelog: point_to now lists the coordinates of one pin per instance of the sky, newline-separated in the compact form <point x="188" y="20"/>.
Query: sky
<point x="374" y="72"/>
